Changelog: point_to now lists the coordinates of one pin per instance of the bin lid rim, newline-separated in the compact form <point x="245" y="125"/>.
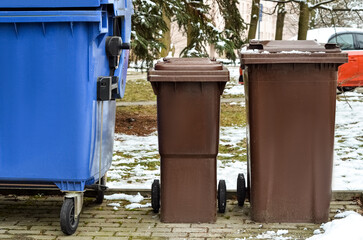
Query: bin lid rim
<point x="302" y="47"/>
<point x="13" y="4"/>
<point x="188" y="78"/>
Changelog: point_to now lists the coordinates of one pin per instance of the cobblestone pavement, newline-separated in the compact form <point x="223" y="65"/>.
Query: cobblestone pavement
<point x="37" y="217"/>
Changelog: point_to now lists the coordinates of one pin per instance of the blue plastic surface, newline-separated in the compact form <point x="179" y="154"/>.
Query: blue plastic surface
<point x="54" y="3"/>
<point x="49" y="114"/>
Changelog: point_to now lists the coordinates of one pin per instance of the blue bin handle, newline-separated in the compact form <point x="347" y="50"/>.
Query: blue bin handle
<point x="121" y="71"/>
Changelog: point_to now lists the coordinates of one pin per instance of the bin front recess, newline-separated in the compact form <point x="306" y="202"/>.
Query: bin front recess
<point x="290" y="99"/>
<point x="188" y="107"/>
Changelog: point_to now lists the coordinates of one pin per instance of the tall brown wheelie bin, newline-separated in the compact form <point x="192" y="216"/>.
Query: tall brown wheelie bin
<point x="188" y="111"/>
<point x="290" y="99"/>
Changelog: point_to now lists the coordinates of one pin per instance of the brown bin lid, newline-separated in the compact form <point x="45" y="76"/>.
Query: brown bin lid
<point x="189" y="70"/>
<point x="187" y="66"/>
<point x="283" y="51"/>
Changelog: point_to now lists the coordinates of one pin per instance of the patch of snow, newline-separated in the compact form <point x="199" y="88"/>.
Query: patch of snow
<point x="121" y="196"/>
<point x="349" y="227"/>
<point x="114" y="205"/>
<point x="273" y="235"/>
<point x="137" y="205"/>
<point x="235" y="90"/>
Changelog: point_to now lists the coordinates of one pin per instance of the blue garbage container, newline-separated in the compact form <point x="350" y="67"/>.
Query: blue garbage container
<point x="62" y="65"/>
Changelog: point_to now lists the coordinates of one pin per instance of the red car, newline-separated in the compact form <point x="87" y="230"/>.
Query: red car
<point x="350" y="75"/>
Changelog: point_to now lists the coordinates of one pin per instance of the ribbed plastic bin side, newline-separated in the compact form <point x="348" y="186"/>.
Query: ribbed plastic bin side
<point x="290" y="99"/>
<point x="188" y="103"/>
<point x="54" y="126"/>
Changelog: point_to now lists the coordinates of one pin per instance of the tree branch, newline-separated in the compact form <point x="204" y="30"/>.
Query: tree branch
<point x="321" y="3"/>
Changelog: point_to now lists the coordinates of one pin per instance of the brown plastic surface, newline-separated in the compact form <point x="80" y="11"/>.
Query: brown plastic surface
<point x="276" y="52"/>
<point x="291" y="121"/>
<point x="187" y="66"/>
<point x="188" y="129"/>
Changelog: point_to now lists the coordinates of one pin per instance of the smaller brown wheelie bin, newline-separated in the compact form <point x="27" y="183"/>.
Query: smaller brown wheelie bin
<point x="188" y="111"/>
<point x="290" y="100"/>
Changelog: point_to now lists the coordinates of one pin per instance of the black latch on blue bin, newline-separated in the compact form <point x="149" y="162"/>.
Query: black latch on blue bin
<point x="114" y="46"/>
<point x="107" y="88"/>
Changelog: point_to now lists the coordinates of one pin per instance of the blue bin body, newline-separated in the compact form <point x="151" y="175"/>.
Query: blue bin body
<point x="50" y="119"/>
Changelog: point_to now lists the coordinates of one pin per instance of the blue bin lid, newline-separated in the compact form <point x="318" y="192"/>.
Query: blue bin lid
<point x="54" y="3"/>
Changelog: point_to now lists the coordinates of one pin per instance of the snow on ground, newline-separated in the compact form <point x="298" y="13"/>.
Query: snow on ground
<point x="136" y="160"/>
<point x="348" y="227"/>
<point x="133" y="199"/>
<point x="348" y="154"/>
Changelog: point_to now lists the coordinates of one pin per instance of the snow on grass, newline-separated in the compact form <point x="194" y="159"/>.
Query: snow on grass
<point x="136" y="162"/>
<point x="348" y="155"/>
<point x="348" y="227"/>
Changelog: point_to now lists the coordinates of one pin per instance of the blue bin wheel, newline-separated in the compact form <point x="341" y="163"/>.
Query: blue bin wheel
<point x="68" y="222"/>
<point x="222" y="196"/>
<point x="155" y="196"/>
<point x="241" y="189"/>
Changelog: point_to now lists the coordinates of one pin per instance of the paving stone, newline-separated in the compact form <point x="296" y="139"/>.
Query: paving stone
<point x="103" y="224"/>
<point x="105" y="234"/>
<point x="24" y="232"/>
<point x="135" y="234"/>
<point x="189" y="230"/>
<point x="206" y="235"/>
<point x="119" y="229"/>
<point x="15" y="227"/>
<point x="74" y="238"/>
<point x="177" y="225"/>
<point x="29" y="218"/>
<point x="155" y="229"/>
<point x="167" y="235"/>
<point x="42" y="237"/>
<point x="111" y="238"/>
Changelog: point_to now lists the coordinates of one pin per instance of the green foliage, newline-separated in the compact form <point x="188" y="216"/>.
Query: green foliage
<point x="147" y="28"/>
<point x="194" y="18"/>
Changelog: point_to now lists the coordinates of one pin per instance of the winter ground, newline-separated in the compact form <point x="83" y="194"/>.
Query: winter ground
<point x="136" y="158"/>
<point x="136" y="163"/>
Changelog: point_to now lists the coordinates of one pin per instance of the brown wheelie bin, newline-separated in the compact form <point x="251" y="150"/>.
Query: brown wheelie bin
<point x="290" y="99"/>
<point x="188" y="111"/>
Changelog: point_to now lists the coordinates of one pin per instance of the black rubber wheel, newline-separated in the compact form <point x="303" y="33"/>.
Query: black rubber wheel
<point x="99" y="196"/>
<point x="68" y="222"/>
<point x="222" y="196"/>
<point x="241" y="189"/>
<point x="155" y="196"/>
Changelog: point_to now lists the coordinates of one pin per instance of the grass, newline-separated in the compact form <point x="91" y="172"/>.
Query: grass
<point x="232" y="115"/>
<point x="138" y="90"/>
<point x="137" y="110"/>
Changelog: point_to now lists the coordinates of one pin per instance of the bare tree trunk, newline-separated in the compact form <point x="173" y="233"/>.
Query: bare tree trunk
<point x="255" y="13"/>
<point x="280" y="21"/>
<point x="189" y="34"/>
<point x="166" y="37"/>
<point x="303" y="20"/>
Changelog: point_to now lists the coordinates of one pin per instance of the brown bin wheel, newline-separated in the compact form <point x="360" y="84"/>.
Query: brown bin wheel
<point x="155" y="196"/>
<point x="241" y="189"/>
<point x="222" y="196"/>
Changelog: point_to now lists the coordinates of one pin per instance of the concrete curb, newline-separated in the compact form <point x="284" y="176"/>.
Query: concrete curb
<point x="345" y="195"/>
<point x="336" y="195"/>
